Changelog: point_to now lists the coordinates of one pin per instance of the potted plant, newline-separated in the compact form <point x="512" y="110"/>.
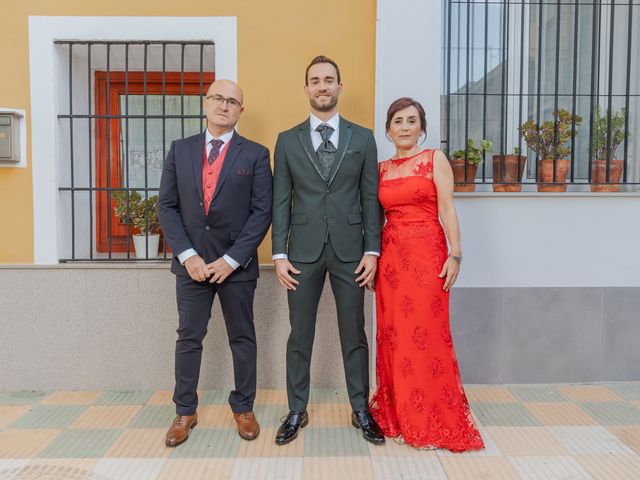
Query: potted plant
<point x="507" y="171"/>
<point x="550" y="141"/>
<point x="464" y="164"/>
<point x="611" y="135"/>
<point x="142" y="215"/>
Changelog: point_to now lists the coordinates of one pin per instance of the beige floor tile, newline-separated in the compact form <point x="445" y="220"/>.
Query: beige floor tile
<point x="194" y="468"/>
<point x="337" y="468"/>
<point x="215" y="416"/>
<point x="408" y="468"/>
<point x="106" y="416"/>
<point x="630" y="435"/>
<point x="608" y="467"/>
<point x="525" y="441"/>
<point x="561" y="413"/>
<point x="164" y="397"/>
<point x="25" y="443"/>
<point x="475" y="468"/>
<point x="71" y="398"/>
<point x="264" y="396"/>
<point x="129" y="468"/>
<point x="140" y="443"/>
<point x="54" y="468"/>
<point x="490" y="395"/>
<point x="265" y="446"/>
<point x="556" y="467"/>
<point x="392" y="448"/>
<point x="589" y="393"/>
<point x="10" y="413"/>
<point x="330" y="414"/>
<point x="267" y="469"/>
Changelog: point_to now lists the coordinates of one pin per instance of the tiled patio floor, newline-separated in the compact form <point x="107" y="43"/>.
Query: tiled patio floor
<point x="531" y="432"/>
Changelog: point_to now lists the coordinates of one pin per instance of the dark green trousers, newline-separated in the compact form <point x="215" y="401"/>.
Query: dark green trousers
<point x="303" y="309"/>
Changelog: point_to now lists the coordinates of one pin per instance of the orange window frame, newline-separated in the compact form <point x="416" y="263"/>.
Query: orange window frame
<point x="108" y="173"/>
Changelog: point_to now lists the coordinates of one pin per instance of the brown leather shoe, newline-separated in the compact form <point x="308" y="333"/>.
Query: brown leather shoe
<point x="180" y="429"/>
<point x="248" y="427"/>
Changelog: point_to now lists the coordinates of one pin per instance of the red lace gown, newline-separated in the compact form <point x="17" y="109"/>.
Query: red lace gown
<point x="420" y="395"/>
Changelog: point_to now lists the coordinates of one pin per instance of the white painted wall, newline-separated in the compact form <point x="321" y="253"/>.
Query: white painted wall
<point x="549" y="240"/>
<point x="408" y="42"/>
<point x="47" y="63"/>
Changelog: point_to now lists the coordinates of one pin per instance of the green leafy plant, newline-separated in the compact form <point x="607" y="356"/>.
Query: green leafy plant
<point x="140" y="213"/>
<point x="550" y="139"/>
<point x="602" y="135"/>
<point x="473" y="154"/>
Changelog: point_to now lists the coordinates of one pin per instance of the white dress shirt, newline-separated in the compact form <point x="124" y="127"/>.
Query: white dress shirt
<point x="225" y="137"/>
<point x="316" y="141"/>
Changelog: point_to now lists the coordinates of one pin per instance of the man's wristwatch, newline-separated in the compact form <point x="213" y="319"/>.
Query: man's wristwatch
<point x="456" y="258"/>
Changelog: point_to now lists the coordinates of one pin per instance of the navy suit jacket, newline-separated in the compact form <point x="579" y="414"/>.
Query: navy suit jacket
<point x="240" y="212"/>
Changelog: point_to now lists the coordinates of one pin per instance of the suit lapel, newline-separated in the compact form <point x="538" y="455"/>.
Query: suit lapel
<point x="197" y="159"/>
<point x="344" y="139"/>
<point x="304" y="135"/>
<point x="235" y="144"/>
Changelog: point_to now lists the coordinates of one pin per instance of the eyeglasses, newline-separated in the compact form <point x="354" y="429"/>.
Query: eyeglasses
<point x="219" y="100"/>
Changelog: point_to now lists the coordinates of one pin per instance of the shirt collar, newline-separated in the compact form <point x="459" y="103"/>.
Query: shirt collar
<point x="225" y="137"/>
<point x="334" y="122"/>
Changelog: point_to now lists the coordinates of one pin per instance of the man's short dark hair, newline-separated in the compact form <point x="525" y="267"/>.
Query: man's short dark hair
<point x="321" y="59"/>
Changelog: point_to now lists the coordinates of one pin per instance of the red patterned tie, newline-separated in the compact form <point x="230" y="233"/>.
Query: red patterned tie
<point x="216" y="143"/>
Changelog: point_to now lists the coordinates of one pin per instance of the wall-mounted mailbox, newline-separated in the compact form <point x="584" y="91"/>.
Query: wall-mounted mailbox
<point x="10" y="136"/>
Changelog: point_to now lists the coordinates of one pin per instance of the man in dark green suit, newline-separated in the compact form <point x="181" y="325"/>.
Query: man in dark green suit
<point x="326" y="218"/>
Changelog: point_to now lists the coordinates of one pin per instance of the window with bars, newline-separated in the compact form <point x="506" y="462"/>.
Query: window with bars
<point x="512" y="61"/>
<point x="126" y="102"/>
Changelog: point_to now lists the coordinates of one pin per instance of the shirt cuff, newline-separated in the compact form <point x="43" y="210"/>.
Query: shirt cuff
<point x="280" y="256"/>
<point x="186" y="254"/>
<point x="375" y="254"/>
<point x="231" y="261"/>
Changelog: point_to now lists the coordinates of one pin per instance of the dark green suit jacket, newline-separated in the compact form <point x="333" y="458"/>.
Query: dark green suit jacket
<point x="307" y="209"/>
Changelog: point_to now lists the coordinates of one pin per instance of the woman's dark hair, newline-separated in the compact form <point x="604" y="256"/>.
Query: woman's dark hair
<point x="401" y="104"/>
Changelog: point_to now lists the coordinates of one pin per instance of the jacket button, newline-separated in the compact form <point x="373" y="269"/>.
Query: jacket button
<point x="207" y="227"/>
<point x="328" y="191"/>
<point x="201" y="204"/>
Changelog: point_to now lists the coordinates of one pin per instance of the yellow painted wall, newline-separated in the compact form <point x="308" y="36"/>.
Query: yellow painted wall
<point x="276" y="40"/>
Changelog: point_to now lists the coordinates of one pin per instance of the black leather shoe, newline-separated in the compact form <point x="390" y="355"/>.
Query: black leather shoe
<point x="288" y="431"/>
<point x="371" y="431"/>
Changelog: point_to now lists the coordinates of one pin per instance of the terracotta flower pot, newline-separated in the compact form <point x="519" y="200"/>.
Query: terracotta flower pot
<point x="463" y="184"/>
<point x="599" y="175"/>
<point x="546" y="180"/>
<point x="510" y="173"/>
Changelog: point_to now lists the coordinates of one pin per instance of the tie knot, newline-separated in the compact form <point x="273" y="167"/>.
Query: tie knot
<point x="325" y="131"/>
<point x="216" y="142"/>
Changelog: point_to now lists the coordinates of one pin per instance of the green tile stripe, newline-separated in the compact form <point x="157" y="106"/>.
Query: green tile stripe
<point x="214" y="397"/>
<point x="125" y="397"/>
<point x="503" y="415"/>
<point x="538" y="393"/>
<point x="154" y="416"/>
<point x="334" y="442"/>
<point x="319" y="395"/>
<point x="209" y="443"/>
<point x="49" y="416"/>
<point x="612" y="413"/>
<point x="81" y="444"/>
<point x="628" y="391"/>
<point x="22" y="398"/>
<point x="269" y="415"/>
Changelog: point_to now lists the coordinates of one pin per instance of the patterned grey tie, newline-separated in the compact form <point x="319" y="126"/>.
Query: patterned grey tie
<point x="326" y="151"/>
<point x="216" y="143"/>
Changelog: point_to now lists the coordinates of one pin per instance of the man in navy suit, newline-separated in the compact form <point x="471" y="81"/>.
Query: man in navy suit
<point x="215" y="208"/>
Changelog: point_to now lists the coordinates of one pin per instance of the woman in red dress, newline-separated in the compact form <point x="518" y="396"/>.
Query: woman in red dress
<point x="420" y="398"/>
